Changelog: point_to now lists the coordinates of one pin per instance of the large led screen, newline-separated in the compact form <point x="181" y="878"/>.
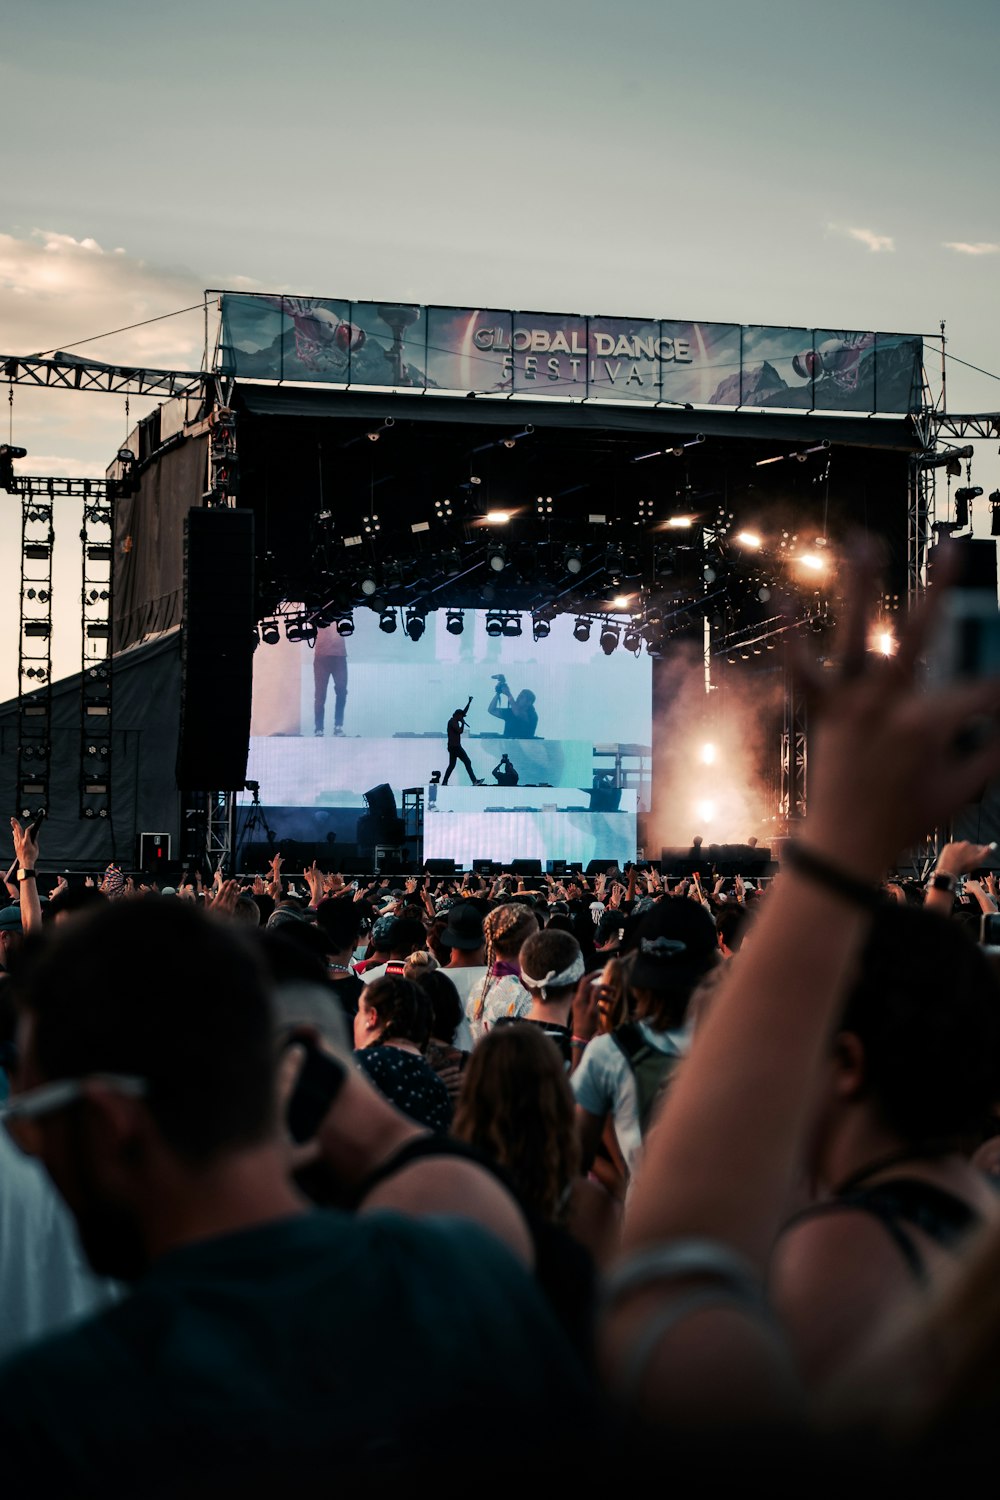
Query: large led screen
<point x="350" y="713"/>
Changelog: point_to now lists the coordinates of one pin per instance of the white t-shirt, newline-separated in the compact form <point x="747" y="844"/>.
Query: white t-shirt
<point x="504" y="997"/>
<point x="45" y="1279"/>
<point x="604" y="1084"/>
<point x="465" y="981"/>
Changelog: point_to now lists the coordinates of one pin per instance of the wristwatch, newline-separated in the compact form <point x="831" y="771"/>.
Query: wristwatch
<point x="943" y="880"/>
<point x="25" y="874"/>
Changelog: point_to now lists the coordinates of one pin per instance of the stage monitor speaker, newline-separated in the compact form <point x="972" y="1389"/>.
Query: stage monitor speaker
<point x="525" y="867"/>
<point x="439" y="866"/>
<point x="154" y="853"/>
<point x="381" y="801"/>
<point x="486" y="867"/>
<point x="556" y="867"/>
<point x="601" y="866"/>
<point x="217" y="644"/>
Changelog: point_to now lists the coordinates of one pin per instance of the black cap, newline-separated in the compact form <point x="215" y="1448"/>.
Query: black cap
<point x="465" y="928"/>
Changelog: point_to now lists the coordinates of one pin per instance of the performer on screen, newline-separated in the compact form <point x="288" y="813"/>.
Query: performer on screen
<point x="504" y="774"/>
<point x="329" y="665"/>
<point x="456" y="724"/>
<point x="519" y="717"/>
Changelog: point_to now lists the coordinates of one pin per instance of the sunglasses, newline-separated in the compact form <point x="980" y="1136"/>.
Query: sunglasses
<point x="20" y="1114"/>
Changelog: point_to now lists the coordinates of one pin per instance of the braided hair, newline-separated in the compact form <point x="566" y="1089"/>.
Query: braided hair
<point x="505" y="928"/>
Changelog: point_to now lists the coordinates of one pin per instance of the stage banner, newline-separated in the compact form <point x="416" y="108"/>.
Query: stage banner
<point x="485" y="351"/>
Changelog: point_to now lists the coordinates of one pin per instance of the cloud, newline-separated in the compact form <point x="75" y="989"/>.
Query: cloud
<point x="56" y="290"/>
<point x="874" y="242"/>
<point x="980" y="247"/>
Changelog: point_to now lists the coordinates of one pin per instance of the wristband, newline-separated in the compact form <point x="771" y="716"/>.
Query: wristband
<point x="580" y="1041"/>
<point x="815" y="868"/>
<point x="25" y="874"/>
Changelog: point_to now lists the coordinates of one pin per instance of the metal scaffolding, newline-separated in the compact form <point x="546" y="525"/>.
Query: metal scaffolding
<point x="34" y="663"/>
<point x="96" y="677"/>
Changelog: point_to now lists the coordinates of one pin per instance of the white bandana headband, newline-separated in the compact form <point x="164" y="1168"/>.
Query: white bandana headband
<point x="554" y="980"/>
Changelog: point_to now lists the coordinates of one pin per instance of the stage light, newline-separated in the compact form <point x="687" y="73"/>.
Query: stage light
<point x="415" y="624"/>
<point x="748" y="539"/>
<point x="883" y="642"/>
<point x="707" y="755"/>
<point x="494" y="624"/>
<point x="300" y="631"/>
<point x="497" y="517"/>
<point x="708" y="573"/>
<point x="995" y="516"/>
<point x="540" y="627"/>
<point x="680" y="523"/>
<point x="705" y="811"/>
<point x="763" y="593"/>
<point x="632" y="640"/>
<point x="811" y="561"/>
<point x="581" y="629"/>
<point x="610" y="636"/>
<point x="454" y="622"/>
<point x="573" y="560"/>
<point x="269" y="632"/>
<point x="512" y="625"/>
<point x="387" y="621"/>
<point x="345" y="625"/>
<point x="620" y="601"/>
<point x="496" y="558"/>
<point x="368" y="583"/>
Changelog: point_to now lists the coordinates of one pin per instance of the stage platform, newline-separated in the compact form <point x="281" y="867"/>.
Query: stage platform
<point x="505" y="823"/>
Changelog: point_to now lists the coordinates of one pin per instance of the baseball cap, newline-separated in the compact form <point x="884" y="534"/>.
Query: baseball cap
<point x="10" y="919"/>
<point x="674" y="944"/>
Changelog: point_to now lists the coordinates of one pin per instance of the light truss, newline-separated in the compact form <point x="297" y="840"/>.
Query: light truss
<point x="67" y="373"/>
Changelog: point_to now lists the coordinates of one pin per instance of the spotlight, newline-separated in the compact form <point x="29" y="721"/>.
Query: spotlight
<point x="415" y="624"/>
<point x="368" y="583"/>
<point x="680" y="523"/>
<point x="763" y="593"/>
<point x="962" y="499"/>
<point x="707" y="755"/>
<point x="496" y="558"/>
<point x="540" y="627"/>
<point x="300" y="631"/>
<point x="387" y="621"/>
<point x="610" y="635"/>
<point x="811" y="561"/>
<point x="454" y="622"/>
<point x="748" y="539"/>
<point x="883" y="642"/>
<point x="705" y="811"/>
<point x="632" y="640"/>
<point x="345" y="625"/>
<point x="573" y="560"/>
<point x="269" y="633"/>
<point x="494" y="624"/>
<point x="581" y="629"/>
<point x="512" y="625"/>
<point x="497" y="517"/>
<point x="995" y="517"/>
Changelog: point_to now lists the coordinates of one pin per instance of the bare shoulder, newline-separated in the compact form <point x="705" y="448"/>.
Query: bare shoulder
<point x="834" y="1276"/>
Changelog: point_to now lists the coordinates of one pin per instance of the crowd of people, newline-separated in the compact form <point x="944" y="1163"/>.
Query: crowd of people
<point x="460" y="1181"/>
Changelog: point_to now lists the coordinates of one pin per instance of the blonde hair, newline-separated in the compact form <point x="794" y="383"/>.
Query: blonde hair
<point x="505" y="928"/>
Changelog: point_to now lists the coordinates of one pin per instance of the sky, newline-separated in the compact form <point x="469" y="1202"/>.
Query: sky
<point x="780" y="162"/>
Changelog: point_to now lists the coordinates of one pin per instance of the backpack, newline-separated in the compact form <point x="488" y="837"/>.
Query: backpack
<point x="651" y="1069"/>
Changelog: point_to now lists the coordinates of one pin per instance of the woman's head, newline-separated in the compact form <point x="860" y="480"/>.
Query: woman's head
<point x="506" y="928"/>
<point x="919" y="1037"/>
<point x="393" y="1009"/>
<point x="517" y="1106"/>
<point x="441" y="991"/>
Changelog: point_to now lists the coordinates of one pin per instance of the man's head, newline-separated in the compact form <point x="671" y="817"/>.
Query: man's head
<point x="406" y="935"/>
<point x="155" y="993"/>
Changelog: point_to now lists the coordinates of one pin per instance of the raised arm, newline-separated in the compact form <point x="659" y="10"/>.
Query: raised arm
<point x="26" y="855"/>
<point x="883" y="767"/>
